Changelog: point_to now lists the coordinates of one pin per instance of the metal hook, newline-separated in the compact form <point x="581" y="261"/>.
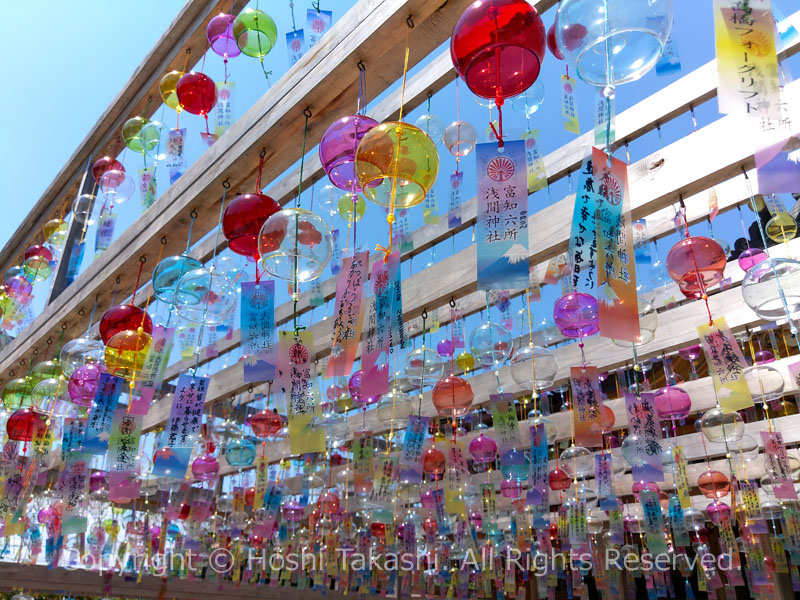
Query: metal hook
<point x="410" y="22"/>
<point x="81" y="312"/>
<point x="49" y="341"/>
<point x="430" y="94"/>
<point x="118" y="279"/>
<point x="452" y="302"/>
<point x="193" y="214"/>
<point x="424" y="314"/>
<point x="249" y="389"/>
<point x="142" y="259"/>
<point x="360" y="65"/>
<point x="307" y="112"/>
<point x="226" y="184"/>
<point x="163" y="240"/>
<point x="263" y="153"/>
<point x="63" y="327"/>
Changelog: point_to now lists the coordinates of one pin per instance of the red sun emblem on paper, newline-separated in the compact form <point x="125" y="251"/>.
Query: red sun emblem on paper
<point x="298" y="354"/>
<point x="610" y="189"/>
<point x="381" y="281"/>
<point x="500" y="168"/>
<point x="318" y="25"/>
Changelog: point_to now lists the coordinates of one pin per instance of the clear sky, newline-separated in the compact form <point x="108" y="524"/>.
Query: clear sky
<point x="54" y="92"/>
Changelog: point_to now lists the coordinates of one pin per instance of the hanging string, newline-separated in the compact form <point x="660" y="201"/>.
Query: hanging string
<point x="225" y="186"/>
<point x="390" y="217"/>
<point x="142" y="260"/>
<point x="192" y="217"/>
<point x="291" y="10"/>
<point x="361" y="107"/>
<point x="295" y="282"/>
<point x="700" y="282"/>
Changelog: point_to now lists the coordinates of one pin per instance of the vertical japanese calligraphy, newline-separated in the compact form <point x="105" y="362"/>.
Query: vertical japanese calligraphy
<point x="378" y="337"/>
<point x="410" y="463"/>
<point x="506" y="429"/>
<point x="317" y="23"/>
<point x="746" y="61"/>
<point x="645" y="426"/>
<point x="224" y="109"/>
<point x="182" y="428"/>
<point x="363" y="446"/>
<point x="430" y="208"/>
<point x="726" y="365"/>
<point x="258" y="330"/>
<point x="587" y="404"/>
<point x="607" y="500"/>
<point x="616" y="273"/>
<point x="502" y="221"/>
<point x="680" y="477"/>
<point x="454" y="205"/>
<point x="537" y="479"/>
<point x="534" y="162"/>
<point x="348" y="315"/>
<point x="98" y="428"/>
<point x="653" y="522"/>
<point x="569" y="109"/>
<point x="123" y="447"/>
<point x="72" y="490"/>
<point x="582" y="252"/>
<point x="155" y="362"/>
<point x="176" y="159"/>
<point x="382" y="487"/>
<point x="455" y="477"/>
<point x="778" y="461"/>
<point x="296" y="366"/>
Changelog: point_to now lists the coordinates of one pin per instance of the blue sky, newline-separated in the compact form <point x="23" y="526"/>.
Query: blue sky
<point x="65" y="87"/>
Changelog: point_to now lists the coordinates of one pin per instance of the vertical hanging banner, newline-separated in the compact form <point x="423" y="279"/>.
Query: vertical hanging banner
<point x="607" y="500"/>
<point x="455" y="477"/>
<point x="616" y="275"/>
<point x="176" y="159"/>
<point x="295" y="45"/>
<point x="98" y="428"/>
<point x="155" y="363"/>
<point x="534" y="162"/>
<point x="778" y="460"/>
<point x="604" y="120"/>
<point x="377" y="342"/>
<point x="224" y="117"/>
<point x="569" y="109"/>
<point x="105" y="231"/>
<point x="713" y="204"/>
<point x="430" y="208"/>
<point x="746" y="61"/>
<point x="317" y="23"/>
<point x="502" y="232"/>
<point x="182" y="428"/>
<point x="123" y="446"/>
<point x="454" y="206"/>
<point x="72" y="436"/>
<point x="258" y="330"/>
<point x="147" y="186"/>
<point x="296" y="366"/>
<point x="726" y="365"/>
<point x="587" y="404"/>
<point x="653" y="522"/>
<point x="681" y="478"/>
<point x="537" y="480"/>
<point x="643" y="423"/>
<point x="506" y="429"/>
<point x="75" y="260"/>
<point x="582" y="252"/>
<point x="363" y="471"/>
<point x="72" y="488"/>
<point x="670" y="60"/>
<point x="348" y="316"/>
<point x="336" y="257"/>
<point x="262" y="479"/>
<point x="410" y="463"/>
<point x="382" y="488"/>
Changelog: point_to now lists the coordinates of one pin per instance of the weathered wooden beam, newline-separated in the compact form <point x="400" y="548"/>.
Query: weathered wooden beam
<point x="184" y="38"/>
<point x="323" y="80"/>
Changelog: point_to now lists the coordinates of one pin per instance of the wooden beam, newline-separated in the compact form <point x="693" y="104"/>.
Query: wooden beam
<point x="187" y="32"/>
<point x="374" y="31"/>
